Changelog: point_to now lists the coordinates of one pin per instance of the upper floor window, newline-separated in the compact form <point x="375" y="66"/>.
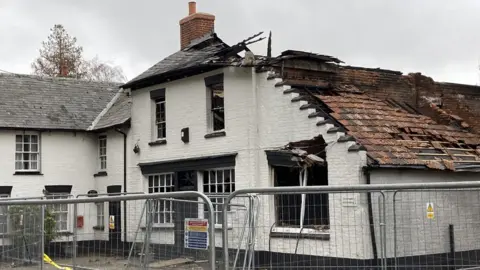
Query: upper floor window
<point x="215" y="103"/>
<point x="160" y="119"/>
<point x="27" y="154"/>
<point x="102" y="148"/>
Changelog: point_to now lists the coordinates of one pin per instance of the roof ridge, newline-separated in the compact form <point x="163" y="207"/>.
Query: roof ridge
<point x="105" y="110"/>
<point x="57" y="79"/>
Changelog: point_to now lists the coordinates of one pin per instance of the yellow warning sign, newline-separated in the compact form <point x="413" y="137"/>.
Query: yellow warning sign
<point x="111" y="222"/>
<point x="430" y="211"/>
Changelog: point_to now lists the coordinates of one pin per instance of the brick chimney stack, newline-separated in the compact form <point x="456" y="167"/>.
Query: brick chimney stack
<point x="195" y="25"/>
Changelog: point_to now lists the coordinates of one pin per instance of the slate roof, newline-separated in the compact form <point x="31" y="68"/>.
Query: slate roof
<point x="28" y="101"/>
<point x="198" y="53"/>
<point x="117" y="114"/>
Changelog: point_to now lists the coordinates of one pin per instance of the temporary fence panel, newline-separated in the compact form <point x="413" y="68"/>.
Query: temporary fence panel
<point x="22" y="228"/>
<point x="355" y="227"/>
<point x="288" y="230"/>
<point x="434" y="228"/>
<point x="162" y="229"/>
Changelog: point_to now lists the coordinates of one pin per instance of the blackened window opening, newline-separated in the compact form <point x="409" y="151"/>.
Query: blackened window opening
<point x="217" y="106"/>
<point x="288" y="206"/>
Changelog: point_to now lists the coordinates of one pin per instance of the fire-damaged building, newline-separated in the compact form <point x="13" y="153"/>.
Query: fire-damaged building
<point x="207" y="119"/>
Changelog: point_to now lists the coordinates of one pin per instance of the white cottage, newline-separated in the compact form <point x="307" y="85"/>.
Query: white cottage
<point x="63" y="137"/>
<point x="206" y="119"/>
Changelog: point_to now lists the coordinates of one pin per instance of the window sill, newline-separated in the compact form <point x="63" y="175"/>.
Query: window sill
<point x="99" y="228"/>
<point x="158" y="142"/>
<point x="306" y="233"/>
<point x="220" y="227"/>
<point x="215" y="134"/>
<point x="64" y="233"/>
<point x="100" y="174"/>
<point x="27" y="173"/>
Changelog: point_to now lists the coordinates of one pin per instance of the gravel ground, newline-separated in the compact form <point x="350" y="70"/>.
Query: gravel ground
<point x="108" y="263"/>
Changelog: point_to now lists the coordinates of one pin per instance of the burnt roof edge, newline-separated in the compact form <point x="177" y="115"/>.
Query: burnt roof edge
<point x="171" y="76"/>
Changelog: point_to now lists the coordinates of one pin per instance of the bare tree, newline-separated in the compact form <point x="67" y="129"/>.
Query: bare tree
<point x="61" y="57"/>
<point x="97" y="70"/>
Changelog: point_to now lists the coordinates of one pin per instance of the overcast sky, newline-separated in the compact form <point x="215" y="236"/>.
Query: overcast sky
<point x="440" y="38"/>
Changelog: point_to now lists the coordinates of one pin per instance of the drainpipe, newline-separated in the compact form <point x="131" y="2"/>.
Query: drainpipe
<point x="254" y="121"/>
<point x="366" y="172"/>
<point x="124" y="182"/>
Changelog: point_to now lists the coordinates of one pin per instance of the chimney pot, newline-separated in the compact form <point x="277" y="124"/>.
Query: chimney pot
<point x="63" y="70"/>
<point x="192" y="7"/>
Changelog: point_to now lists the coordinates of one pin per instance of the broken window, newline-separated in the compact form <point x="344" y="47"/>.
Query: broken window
<point x="215" y="102"/>
<point x="288" y="207"/>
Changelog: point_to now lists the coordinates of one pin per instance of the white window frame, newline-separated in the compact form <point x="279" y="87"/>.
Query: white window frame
<point x="4" y="212"/>
<point x="60" y="211"/>
<point x="100" y="214"/>
<point x="157" y="117"/>
<point x="217" y="198"/>
<point x="21" y="152"/>
<point x="102" y="155"/>
<point x="162" y="212"/>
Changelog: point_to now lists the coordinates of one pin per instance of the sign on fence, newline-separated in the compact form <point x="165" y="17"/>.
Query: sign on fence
<point x="196" y="233"/>
<point x="430" y="212"/>
<point x="111" y="223"/>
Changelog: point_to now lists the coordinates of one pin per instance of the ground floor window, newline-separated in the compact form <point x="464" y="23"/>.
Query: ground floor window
<point x="60" y="211"/>
<point x="217" y="184"/>
<point x="100" y="214"/>
<point x="162" y="210"/>
<point x="3" y="216"/>
<point x="288" y="207"/>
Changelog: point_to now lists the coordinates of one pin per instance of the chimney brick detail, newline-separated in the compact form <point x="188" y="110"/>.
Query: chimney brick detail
<point x="195" y="26"/>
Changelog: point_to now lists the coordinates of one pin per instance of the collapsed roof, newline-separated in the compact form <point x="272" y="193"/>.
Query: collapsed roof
<point x="394" y="134"/>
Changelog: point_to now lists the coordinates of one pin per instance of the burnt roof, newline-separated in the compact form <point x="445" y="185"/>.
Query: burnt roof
<point x="393" y="136"/>
<point x="197" y="55"/>
<point x="301" y="54"/>
<point x="34" y="102"/>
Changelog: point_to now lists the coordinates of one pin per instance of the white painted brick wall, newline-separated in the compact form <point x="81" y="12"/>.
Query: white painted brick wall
<point x="417" y="235"/>
<point x="67" y="158"/>
<point x="279" y="121"/>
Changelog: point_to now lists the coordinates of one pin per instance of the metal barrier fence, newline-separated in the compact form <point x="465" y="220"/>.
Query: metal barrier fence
<point x="163" y="229"/>
<point x="400" y="226"/>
